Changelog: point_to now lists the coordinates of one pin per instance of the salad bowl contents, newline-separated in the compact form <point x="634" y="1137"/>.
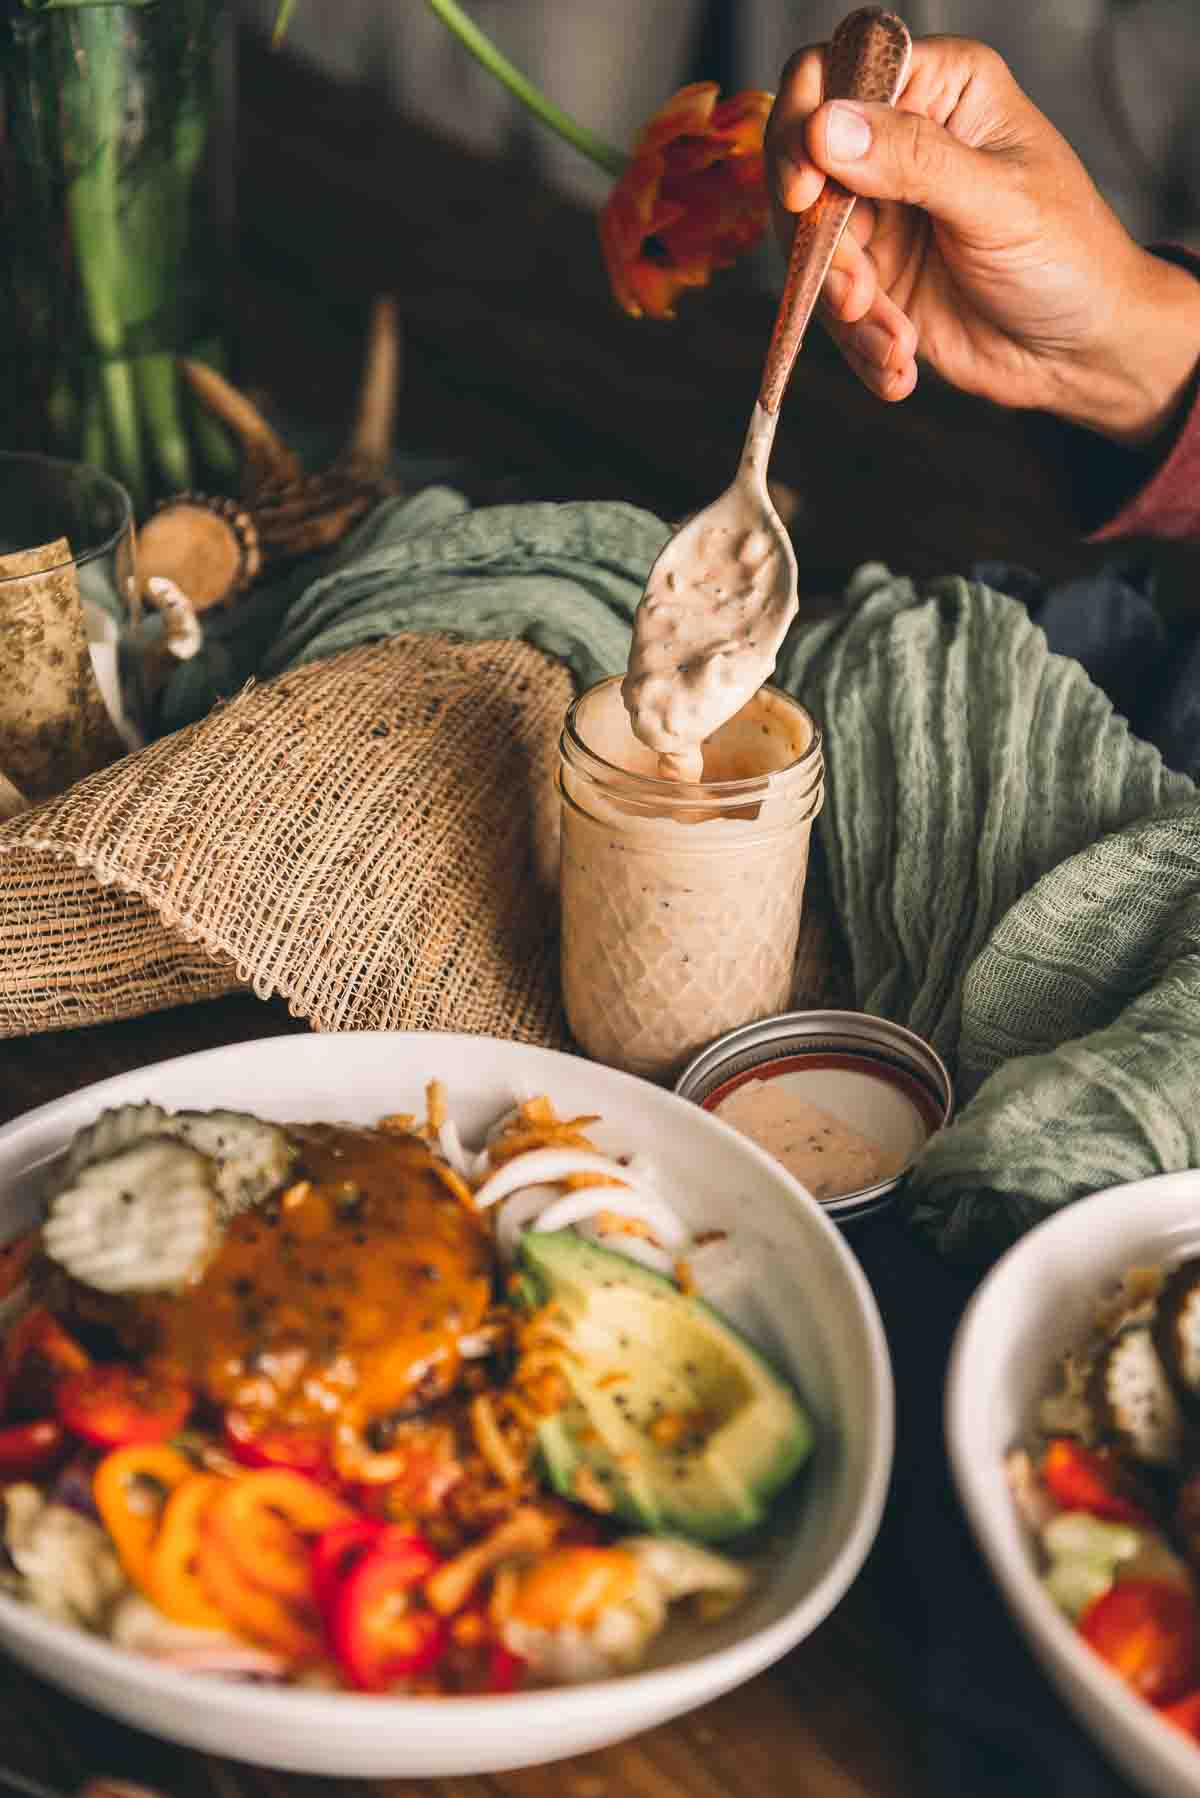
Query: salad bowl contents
<point x="1077" y="1372"/>
<point x="319" y="1409"/>
<point x="279" y="1389"/>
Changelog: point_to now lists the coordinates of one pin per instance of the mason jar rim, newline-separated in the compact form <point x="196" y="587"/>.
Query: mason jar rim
<point x="681" y="795"/>
<point x="63" y="465"/>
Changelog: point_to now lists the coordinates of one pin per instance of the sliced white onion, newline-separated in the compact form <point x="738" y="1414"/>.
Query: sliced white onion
<point x="577" y="1206"/>
<point x="464" y="1163"/>
<point x="538" y="1167"/>
<point x="517" y="1213"/>
<point x="634" y="1248"/>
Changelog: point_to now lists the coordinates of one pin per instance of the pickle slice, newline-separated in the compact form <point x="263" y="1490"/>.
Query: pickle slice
<point x="252" y="1158"/>
<point x="114" y="1129"/>
<point x="142" y="1220"/>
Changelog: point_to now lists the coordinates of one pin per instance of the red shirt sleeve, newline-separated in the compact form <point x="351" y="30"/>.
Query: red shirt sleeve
<point x="1157" y="501"/>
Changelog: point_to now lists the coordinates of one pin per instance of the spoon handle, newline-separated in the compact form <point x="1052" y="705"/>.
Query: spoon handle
<point x="868" y="60"/>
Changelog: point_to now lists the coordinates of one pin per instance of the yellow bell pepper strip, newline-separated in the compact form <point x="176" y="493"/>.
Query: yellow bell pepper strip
<point x="173" y="1582"/>
<point x="131" y="1487"/>
<point x="252" y="1611"/>
<point x="262" y="1520"/>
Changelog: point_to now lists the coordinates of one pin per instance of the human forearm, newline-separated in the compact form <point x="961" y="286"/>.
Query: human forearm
<point x="1131" y="387"/>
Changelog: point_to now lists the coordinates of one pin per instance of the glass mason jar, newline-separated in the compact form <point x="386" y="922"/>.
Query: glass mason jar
<point x="116" y="181"/>
<point x="681" y="904"/>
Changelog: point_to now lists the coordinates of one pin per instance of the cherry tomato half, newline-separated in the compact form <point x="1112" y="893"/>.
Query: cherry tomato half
<point x="1088" y="1479"/>
<point x="37" y="1356"/>
<point x="1184" y="1714"/>
<point x="1148" y="1632"/>
<point x="113" y="1405"/>
<point x="30" y="1449"/>
<point x="298" y="1451"/>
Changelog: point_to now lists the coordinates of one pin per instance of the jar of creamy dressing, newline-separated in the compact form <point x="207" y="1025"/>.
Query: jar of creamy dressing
<point x="681" y="903"/>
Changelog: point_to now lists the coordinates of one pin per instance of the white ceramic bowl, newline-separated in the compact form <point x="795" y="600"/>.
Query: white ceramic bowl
<point x="802" y="1295"/>
<point x="1034" y="1305"/>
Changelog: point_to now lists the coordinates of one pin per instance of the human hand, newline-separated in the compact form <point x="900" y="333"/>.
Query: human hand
<point x="980" y="244"/>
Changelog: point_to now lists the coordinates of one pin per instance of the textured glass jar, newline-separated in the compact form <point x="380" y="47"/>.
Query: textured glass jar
<point x="681" y="904"/>
<point x="116" y="233"/>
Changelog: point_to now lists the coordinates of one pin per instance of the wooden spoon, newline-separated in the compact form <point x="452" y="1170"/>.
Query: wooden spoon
<point x="723" y="591"/>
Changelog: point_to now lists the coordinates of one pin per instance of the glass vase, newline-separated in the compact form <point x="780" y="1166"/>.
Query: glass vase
<point x="116" y="225"/>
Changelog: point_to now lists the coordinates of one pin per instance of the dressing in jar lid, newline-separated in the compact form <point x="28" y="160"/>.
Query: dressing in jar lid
<point x="843" y="1100"/>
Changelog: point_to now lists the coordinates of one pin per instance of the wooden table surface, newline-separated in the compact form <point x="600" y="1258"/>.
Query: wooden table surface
<point x="517" y="362"/>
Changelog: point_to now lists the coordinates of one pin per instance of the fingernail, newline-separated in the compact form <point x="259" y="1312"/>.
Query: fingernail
<point x="847" y="135"/>
<point x="875" y="344"/>
<point x="837" y="286"/>
<point x="788" y="176"/>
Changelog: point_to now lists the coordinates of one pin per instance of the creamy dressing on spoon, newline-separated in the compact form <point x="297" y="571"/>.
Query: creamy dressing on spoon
<point x="716" y="608"/>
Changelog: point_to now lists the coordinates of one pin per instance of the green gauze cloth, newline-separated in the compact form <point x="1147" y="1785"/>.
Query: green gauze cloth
<point x="1019" y="880"/>
<point x="1018" y="877"/>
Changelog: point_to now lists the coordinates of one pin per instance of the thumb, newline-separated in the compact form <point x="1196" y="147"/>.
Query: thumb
<point x="883" y="154"/>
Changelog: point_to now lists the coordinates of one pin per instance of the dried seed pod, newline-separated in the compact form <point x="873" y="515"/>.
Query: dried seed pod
<point x="209" y="547"/>
<point x="294" y="512"/>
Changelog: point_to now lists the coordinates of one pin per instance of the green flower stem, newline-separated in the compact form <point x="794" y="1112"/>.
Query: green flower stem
<point x="532" y="98"/>
<point x="485" y="52"/>
<point x="157" y="386"/>
<point x="214" y="444"/>
<point x="92" y="206"/>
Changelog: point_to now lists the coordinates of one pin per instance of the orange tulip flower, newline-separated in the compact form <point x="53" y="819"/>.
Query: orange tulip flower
<point x="692" y="198"/>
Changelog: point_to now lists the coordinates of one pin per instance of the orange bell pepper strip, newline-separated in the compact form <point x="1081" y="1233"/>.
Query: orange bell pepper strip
<point x="253" y="1612"/>
<point x="261" y="1520"/>
<point x="173" y="1581"/>
<point x="131" y="1487"/>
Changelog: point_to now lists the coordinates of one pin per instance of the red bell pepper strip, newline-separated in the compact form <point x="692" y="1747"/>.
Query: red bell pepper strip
<point x="338" y="1550"/>
<point x="335" y="1553"/>
<point x="1149" y="1633"/>
<point x="1184" y="1714"/>
<point x="378" y="1633"/>
<point x="297" y="1451"/>
<point x="28" y="1450"/>
<point x="114" y="1406"/>
<point x="1088" y="1479"/>
<point x="15" y="1257"/>
<point x="505" y="1669"/>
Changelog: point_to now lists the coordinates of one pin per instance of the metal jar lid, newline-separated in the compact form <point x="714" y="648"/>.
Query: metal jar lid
<point x="832" y="1042"/>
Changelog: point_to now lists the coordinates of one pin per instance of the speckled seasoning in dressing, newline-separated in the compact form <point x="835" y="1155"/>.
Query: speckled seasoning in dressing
<point x="717" y="604"/>
<point x="681" y="906"/>
<point x="831" y="1158"/>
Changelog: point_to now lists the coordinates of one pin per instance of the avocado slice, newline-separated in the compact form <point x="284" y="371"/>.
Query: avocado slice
<point x="672" y="1414"/>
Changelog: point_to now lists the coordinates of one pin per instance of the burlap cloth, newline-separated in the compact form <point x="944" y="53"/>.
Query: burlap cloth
<point x="371" y="837"/>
